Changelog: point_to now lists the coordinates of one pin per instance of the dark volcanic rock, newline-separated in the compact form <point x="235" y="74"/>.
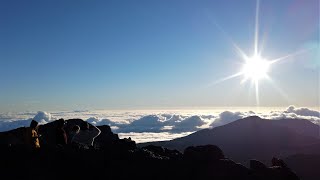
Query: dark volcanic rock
<point x="106" y="137"/>
<point x="203" y="153"/>
<point x="306" y="166"/>
<point x="257" y="165"/>
<point x="171" y="154"/>
<point x="261" y="171"/>
<point x="15" y="137"/>
<point x="116" y="158"/>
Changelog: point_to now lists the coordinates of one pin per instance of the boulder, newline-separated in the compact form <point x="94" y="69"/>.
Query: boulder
<point x="257" y="165"/>
<point x="203" y="153"/>
<point x="171" y="154"/>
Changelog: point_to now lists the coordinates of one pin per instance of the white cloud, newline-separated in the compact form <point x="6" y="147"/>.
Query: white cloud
<point x="290" y="113"/>
<point x="149" y="136"/>
<point x="42" y="116"/>
<point x="154" y="125"/>
<point x="189" y="124"/>
<point x="10" y="123"/>
<point x="99" y="122"/>
<point x="280" y="115"/>
<point x="303" y="111"/>
<point x="227" y="117"/>
<point x="163" y="123"/>
<point x="150" y="123"/>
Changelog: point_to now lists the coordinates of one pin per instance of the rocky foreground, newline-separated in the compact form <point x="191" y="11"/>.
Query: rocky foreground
<point x="121" y="158"/>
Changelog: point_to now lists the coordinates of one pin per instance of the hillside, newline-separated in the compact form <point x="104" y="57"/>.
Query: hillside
<point x="253" y="137"/>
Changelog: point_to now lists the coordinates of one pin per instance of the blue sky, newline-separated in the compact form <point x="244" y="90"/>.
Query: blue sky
<point x="79" y="54"/>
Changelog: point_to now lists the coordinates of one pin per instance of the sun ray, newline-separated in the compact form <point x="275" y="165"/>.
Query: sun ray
<point x="277" y="88"/>
<point x="262" y="43"/>
<point x="256" y="33"/>
<point x="290" y="55"/>
<point x="239" y="51"/>
<point x="223" y="79"/>
<point x="256" y="41"/>
<point x="244" y="80"/>
<point x="256" y="67"/>
<point x="227" y="78"/>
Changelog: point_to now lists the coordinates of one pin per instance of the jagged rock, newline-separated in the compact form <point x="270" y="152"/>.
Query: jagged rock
<point x="260" y="171"/>
<point x="172" y="154"/>
<point x="203" y="153"/>
<point x="257" y="165"/>
<point x="229" y="168"/>
<point x="126" y="144"/>
<point x="306" y="166"/>
<point x="106" y="137"/>
<point x="199" y="162"/>
<point x="15" y="137"/>
<point x="47" y="132"/>
<point x="277" y="172"/>
<point x="155" y="149"/>
<point x="144" y="154"/>
<point x="278" y="162"/>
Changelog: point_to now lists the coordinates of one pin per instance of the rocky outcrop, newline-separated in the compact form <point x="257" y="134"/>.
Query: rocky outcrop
<point x="15" y="137"/>
<point x="305" y="165"/>
<point x="118" y="158"/>
<point x="106" y="137"/>
<point x="257" y="165"/>
<point x="170" y="154"/>
<point x="277" y="171"/>
<point x="203" y="153"/>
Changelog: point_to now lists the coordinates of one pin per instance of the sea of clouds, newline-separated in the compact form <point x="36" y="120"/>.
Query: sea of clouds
<point x="156" y="125"/>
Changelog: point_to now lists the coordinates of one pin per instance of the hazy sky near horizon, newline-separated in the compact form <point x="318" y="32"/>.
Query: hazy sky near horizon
<point x="96" y="54"/>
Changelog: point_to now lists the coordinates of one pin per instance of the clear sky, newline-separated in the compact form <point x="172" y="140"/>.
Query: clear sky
<point x="76" y="54"/>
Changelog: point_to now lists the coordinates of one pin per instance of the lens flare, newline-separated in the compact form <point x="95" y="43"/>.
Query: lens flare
<point x="255" y="67"/>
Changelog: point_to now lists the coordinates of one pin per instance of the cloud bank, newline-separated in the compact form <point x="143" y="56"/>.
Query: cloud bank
<point x="10" y="123"/>
<point x="303" y="111"/>
<point x="157" y="125"/>
<point x="226" y="117"/>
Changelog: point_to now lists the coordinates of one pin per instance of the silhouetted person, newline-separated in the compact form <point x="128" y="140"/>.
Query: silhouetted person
<point x="61" y="136"/>
<point x="86" y="135"/>
<point x="32" y="137"/>
<point x="75" y="130"/>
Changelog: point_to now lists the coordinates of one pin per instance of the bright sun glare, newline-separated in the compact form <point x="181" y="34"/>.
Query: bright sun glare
<point x="255" y="68"/>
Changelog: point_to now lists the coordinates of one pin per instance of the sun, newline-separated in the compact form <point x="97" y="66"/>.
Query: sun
<point x="255" y="68"/>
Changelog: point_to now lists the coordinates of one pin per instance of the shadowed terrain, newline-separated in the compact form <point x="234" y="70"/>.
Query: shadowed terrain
<point x="253" y="137"/>
<point x="113" y="157"/>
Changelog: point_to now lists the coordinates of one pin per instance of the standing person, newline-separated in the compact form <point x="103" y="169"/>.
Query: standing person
<point x="61" y="136"/>
<point x="86" y="135"/>
<point x="32" y="137"/>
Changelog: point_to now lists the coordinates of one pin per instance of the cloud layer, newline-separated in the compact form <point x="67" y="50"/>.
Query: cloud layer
<point x="144" y="125"/>
<point x="10" y="122"/>
<point x="303" y="111"/>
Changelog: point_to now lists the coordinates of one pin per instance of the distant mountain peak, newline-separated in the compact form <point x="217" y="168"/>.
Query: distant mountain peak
<point x="255" y="137"/>
<point x="247" y="121"/>
<point x="252" y="118"/>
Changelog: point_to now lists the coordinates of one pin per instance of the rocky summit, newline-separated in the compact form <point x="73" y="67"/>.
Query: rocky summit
<point x="112" y="157"/>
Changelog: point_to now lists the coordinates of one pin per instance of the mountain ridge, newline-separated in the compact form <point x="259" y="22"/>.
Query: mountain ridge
<point x="252" y="137"/>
